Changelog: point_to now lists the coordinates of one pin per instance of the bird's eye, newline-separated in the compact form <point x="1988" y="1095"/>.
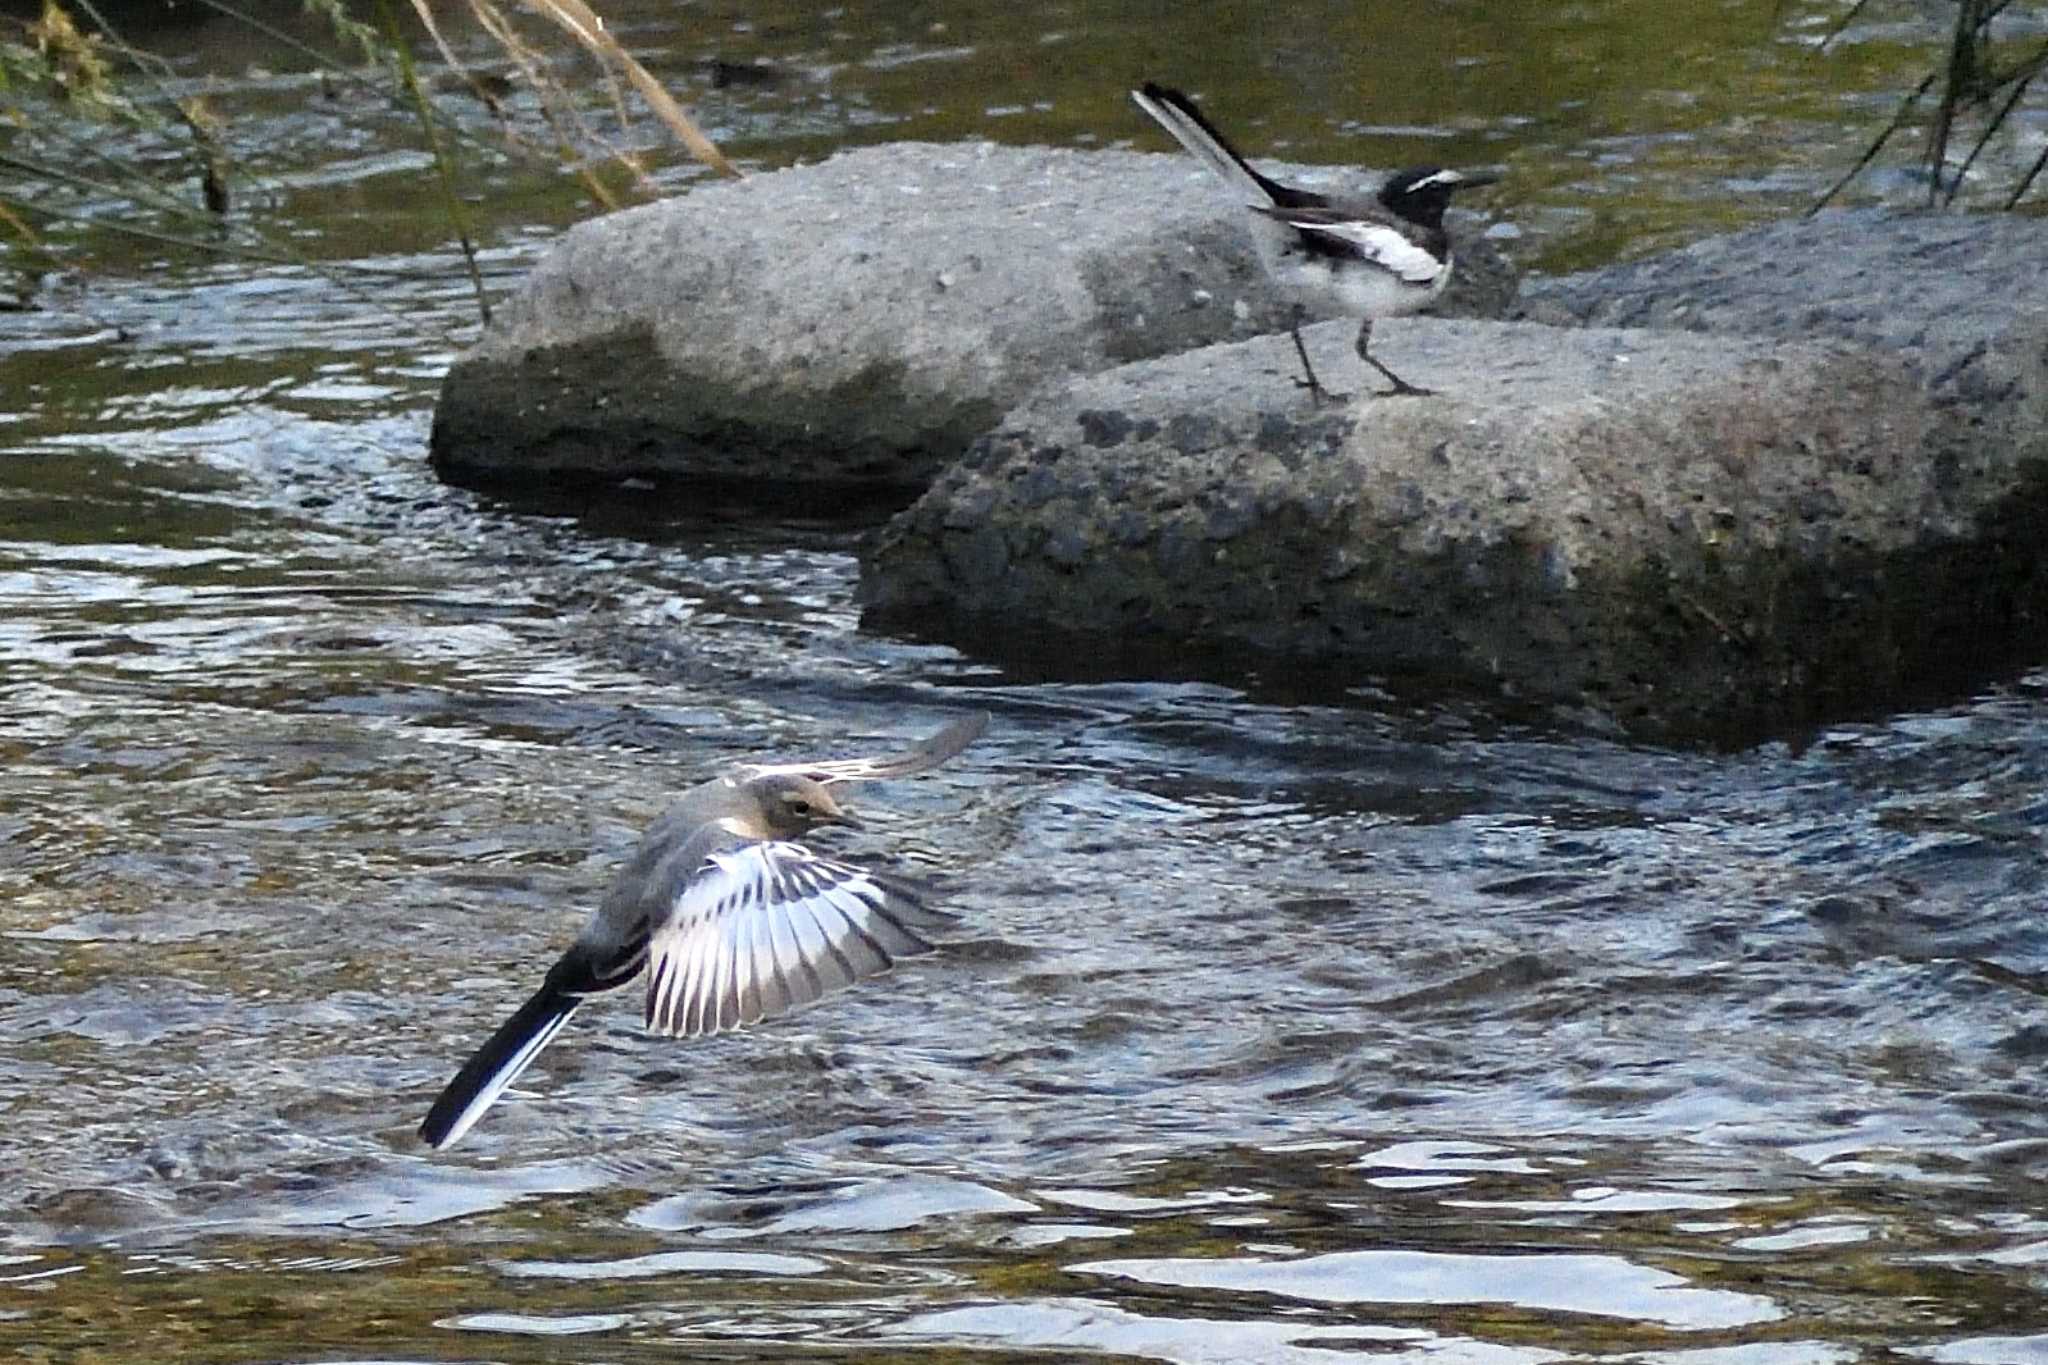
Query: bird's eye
<point x="799" y="806"/>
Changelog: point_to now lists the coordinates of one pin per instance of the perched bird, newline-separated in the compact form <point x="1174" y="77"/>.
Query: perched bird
<point x="731" y="923"/>
<point x="1370" y="258"/>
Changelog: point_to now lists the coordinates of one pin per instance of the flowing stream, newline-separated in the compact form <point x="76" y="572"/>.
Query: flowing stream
<point x="1368" y="1030"/>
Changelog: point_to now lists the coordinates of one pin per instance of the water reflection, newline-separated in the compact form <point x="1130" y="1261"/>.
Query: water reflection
<point x="1081" y="1325"/>
<point x="2026" y="1350"/>
<point x="1601" y="1285"/>
<point x="666" y="1263"/>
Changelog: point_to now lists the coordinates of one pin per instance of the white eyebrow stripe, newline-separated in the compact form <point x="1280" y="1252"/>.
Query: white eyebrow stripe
<point x="1443" y="177"/>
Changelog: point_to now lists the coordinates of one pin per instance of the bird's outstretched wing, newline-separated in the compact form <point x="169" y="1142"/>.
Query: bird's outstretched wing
<point x="927" y="753"/>
<point x="764" y="928"/>
<point x="1384" y="246"/>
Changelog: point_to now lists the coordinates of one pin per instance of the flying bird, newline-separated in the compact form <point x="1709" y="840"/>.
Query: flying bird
<point x="728" y="920"/>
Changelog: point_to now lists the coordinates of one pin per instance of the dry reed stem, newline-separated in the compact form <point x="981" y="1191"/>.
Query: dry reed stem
<point x="581" y="23"/>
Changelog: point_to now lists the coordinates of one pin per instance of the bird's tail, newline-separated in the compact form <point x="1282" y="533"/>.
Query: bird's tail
<point x="1177" y="114"/>
<point x="497" y="1064"/>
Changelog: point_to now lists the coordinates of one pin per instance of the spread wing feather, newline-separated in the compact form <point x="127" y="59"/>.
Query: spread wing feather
<point x="765" y="928"/>
<point x="926" y="754"/>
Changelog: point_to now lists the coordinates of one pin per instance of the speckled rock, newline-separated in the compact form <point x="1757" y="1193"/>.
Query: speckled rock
<point x="1960" y="299"/>
<point x="1691" y="534"/>
<point x="1832" y="504"/>
<point x="860" y="321"/>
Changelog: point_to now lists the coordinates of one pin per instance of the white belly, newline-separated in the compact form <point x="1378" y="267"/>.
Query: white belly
<point x="1361" y="291"/>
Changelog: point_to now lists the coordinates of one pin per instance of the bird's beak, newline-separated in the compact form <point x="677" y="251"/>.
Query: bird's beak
<point x="842" y="817"/>
<point x="1472" y="180"/>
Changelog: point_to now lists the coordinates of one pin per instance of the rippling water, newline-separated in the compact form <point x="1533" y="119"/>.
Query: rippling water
<point x="1268" y="1032"/>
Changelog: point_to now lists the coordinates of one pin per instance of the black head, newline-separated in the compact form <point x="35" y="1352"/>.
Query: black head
<point x="1422" y="194"/>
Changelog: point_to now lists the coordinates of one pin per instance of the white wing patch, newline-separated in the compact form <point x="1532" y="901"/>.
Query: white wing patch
<point x="768" y="927"/>
<point x="1384" y="246"/>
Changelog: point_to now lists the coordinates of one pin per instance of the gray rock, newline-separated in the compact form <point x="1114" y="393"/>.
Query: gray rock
<point x="1687" y="532"/>
<point x="861" y="321"/>
<point x="1961" y="299"/>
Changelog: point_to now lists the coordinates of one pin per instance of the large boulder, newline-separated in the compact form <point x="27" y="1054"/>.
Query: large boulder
<point x="1698" y="535"/>
<point x="1960" y="299"/>
<point x="862" y="320"/>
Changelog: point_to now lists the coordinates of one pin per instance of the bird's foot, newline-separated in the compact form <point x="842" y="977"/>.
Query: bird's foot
<point x="1402" y="388"/>
<point x="1319" y="395"/>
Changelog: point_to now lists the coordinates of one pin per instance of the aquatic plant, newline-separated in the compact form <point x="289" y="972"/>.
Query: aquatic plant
<point x="1981" y="81"/>
<point x="71" y="73"/>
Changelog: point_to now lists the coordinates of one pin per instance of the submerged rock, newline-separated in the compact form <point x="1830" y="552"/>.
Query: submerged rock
<point x="859" y="322"/>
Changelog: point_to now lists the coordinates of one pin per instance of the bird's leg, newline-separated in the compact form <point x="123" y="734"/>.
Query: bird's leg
<point x="1317" y="392"/>
<point x="1401" y="386"/>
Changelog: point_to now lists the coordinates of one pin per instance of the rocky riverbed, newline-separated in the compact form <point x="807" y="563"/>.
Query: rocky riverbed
<point x="1747" y="486"/>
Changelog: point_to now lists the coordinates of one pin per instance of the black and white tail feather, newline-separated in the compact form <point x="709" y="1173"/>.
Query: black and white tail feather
<point x="1178" y="115"/>
<point x="496" y="1065"/>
